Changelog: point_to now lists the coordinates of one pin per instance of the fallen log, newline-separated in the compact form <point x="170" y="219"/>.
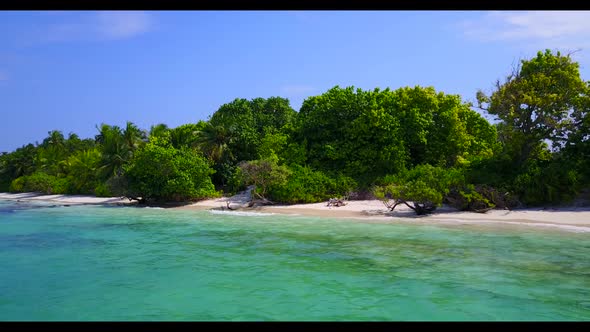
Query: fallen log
<point x="229" y="207"/>
<point x="336" y="202"/>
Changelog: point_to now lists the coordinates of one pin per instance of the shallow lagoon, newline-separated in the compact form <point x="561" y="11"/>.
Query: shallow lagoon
<point x="126" y="263"/>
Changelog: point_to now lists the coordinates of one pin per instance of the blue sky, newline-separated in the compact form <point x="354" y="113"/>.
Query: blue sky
<point x="70" y="71"/>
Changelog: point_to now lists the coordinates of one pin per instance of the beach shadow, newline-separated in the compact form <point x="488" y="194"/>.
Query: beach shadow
<point x="555" y="209"/>
<point x="24" y="195"/>
<point x="405" y="212"/>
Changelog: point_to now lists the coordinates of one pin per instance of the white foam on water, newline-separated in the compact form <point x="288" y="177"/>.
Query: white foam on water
<point x="241" y="213"/>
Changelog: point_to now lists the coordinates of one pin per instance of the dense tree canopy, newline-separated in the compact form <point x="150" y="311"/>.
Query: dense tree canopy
<point x="411" y="145"/>
<point x="159" y="172"/>
<point x="343" y="129"/>
<point x="535" y="102"/>
<point x="542" y="104"/>
<point x="245" y="121"/>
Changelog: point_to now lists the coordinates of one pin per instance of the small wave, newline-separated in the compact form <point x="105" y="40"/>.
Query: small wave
<point x="154" y="208"/>
<point x="241" y="213"/>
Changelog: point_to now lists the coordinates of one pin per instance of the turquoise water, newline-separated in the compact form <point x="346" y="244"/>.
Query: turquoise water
<point x="124" y="263"/>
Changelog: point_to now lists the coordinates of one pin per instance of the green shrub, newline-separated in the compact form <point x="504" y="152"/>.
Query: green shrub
<point x="263" y="174"/>
<point x="421" y="188"/>
<point x="468" y="198"/>
<point x="102" y="190"/>
<point x="305" y="185"/>
<point x="163" y="173"/>
<point x="18" y="185"/>
<point x="547" y="183"/>
<point x="40" y="182"/>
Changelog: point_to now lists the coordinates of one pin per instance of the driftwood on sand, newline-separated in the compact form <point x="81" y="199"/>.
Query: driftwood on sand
<point x="229" y="207"/>
<point x="259" y="201"/>
<point x="336" y="202"/>
<point x="247" y="198"/>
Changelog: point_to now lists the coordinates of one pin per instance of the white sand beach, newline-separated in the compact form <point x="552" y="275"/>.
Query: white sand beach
<point x="65" y="199"/>
<point x="564" y="219"/>
<point x="568" y="219"/>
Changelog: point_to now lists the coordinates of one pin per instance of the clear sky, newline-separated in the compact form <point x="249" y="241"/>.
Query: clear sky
<point x="71" y="71"/>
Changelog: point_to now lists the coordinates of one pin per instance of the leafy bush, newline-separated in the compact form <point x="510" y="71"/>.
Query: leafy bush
<point x="102" y="190"/>
<point x="40" y="182"/>
<point x="547" y="182"/>
<point x="235" y="181"/>
<point x="163" y="173"/>
<point x="468" y="198"/>
<point x="305" y="185"/>
<point x="424" y="187"/>
<point x="18" y="185"/>
<point x="263" y="173"/>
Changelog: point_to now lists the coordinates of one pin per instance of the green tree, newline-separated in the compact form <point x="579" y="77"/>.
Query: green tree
<point x="263" y="173"/>
<point x="133" y="136"/>
<point x="304" y="185"/>
<point x="74" y="143"/>
<point x="534" y="103"/>
<point x="159" y="172"/>
<point x="577" y="148"/>
<point x="186" y="135"/>
<point x="114" y="150"/>
<point x="344" y="128"/>
<point x="214" y="142"/>
<point x="117" y="147"/>
<point x="422" y="188"/>
<point x="368" y="134"/>
<point x="40" y="182"/>
<point x="247" y="120"/>
<point x="158" y="130"/>
<point x="83" y="171"/>
<point x="16" y="164"/>
<point x="52" y="153"/>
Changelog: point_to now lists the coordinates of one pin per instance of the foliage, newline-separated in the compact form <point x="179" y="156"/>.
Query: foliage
<point x="214" y="142"/>
<point x="40" y="182"/>
<point x="344" y="128"/>
<point x="468" y="198"/>
<point x="243" y="123"/>
<point x="534" y="102"/>
<point x="158" y="172"/>
<point x="272" y="143"/>
<point x="422" y="188"/>
<point x="16" y="164"/>
<point x="186" y="135"/>
<point x="82" y="170"/>
<point x="412" y="145"/>
<point x="158" y="130"/>
<point x="114" y="150"/>
<point x="263" y="173"/>
<point x="304" y="185"/>
<point x="102" y="190"/>
<point x="547" y="182"/>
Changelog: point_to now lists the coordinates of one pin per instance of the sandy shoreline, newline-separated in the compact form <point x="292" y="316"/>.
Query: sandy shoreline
<point x="568" y="219"/>
<point x="565" y="219"/>
<point x="66" y="199"/>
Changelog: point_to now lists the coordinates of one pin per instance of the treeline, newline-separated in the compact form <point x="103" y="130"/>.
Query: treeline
<point x="413" y="146"/>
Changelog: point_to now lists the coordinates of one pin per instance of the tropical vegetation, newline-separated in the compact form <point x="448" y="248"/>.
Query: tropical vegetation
<point x="414" y="145"/>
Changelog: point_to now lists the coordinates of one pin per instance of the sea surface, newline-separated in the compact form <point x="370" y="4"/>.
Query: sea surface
<point x="94" y="263"/>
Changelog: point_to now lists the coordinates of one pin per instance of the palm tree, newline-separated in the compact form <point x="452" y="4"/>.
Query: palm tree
<point x="55" y="138"/>
<point x="51" y="153"/>
<point x="214" y="141"/>
<point x="134" y="137"/>
<point x="114" y="149"/>
<point x="186" y="135"/>
<point x="158" y="130"/>
<point x="20" y="162"/>
<point x="83" y="167"/>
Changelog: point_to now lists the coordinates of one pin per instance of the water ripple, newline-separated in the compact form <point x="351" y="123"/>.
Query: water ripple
<point x="94" y="263"/>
